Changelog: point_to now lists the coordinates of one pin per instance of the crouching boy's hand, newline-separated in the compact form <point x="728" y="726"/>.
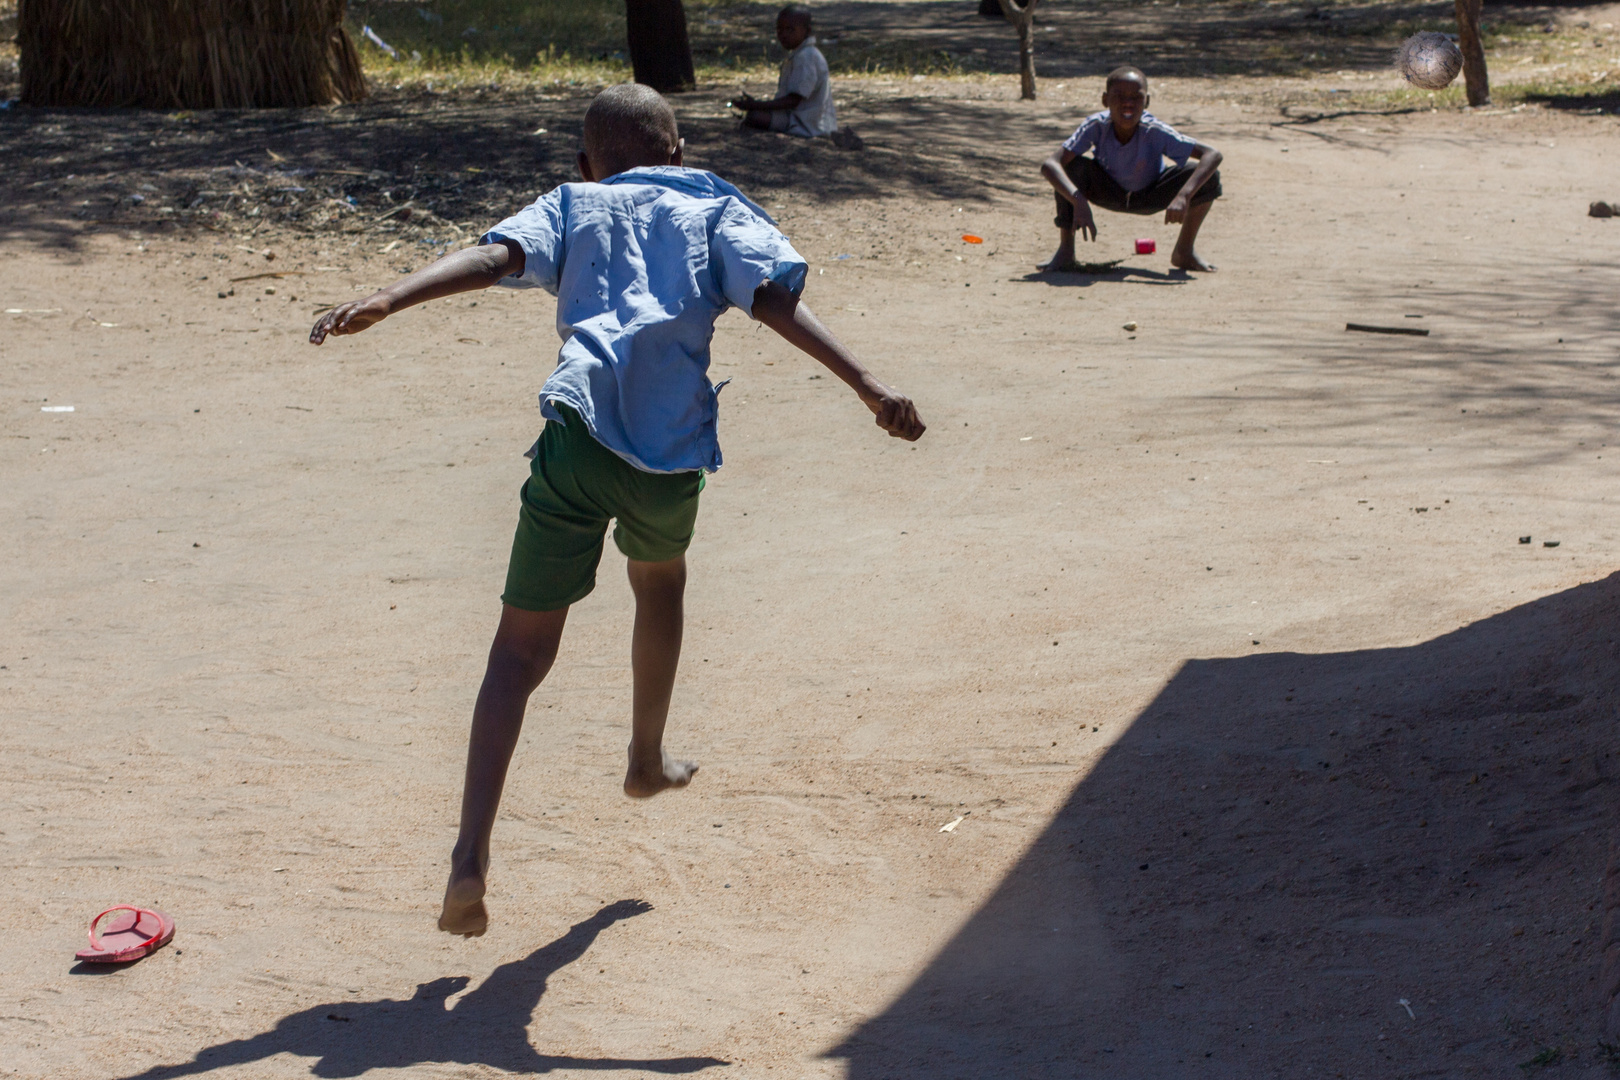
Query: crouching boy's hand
<point x="780" y="310"/>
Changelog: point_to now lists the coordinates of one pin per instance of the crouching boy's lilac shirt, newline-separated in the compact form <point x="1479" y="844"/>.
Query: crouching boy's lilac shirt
<point x="642" y="265"/>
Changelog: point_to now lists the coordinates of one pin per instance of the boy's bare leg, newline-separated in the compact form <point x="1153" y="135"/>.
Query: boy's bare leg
<point x="525" y="646"/>
<point x="1184" y="257"/>
<point x="1064" y="259"/>
<point x="655" y="652"/>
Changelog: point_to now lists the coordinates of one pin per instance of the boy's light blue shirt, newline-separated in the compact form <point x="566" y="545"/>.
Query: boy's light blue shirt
<point x="642" y="264"/>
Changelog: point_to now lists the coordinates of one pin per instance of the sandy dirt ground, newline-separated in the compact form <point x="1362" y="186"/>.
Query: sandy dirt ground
<point x="1276" y="752"/>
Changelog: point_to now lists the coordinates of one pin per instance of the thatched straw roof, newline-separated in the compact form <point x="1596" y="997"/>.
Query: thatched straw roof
<point x="187" y="53"/>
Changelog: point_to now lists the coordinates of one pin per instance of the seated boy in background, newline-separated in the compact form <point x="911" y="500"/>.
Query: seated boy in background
<point x="1126" y="172"/>
<point x="803" y="103"/>
<point x="642" y="257"/>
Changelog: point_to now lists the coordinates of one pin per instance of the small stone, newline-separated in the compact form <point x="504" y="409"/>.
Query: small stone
<point x="1549" y="543"/>
<point x="1130" y="326"/>
<point x="1525" y="539"/>
<point x="270" y="290"/>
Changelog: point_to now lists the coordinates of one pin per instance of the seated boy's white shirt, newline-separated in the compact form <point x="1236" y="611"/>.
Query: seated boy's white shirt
<point x="805" y="73"/>
<point x="642" y="264"/>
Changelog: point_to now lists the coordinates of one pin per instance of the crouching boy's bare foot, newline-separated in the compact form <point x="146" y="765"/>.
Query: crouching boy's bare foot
<point x="1189" y="260"/>
<point x="1061" y="261"/>
<point x="464" y="911"/>
<point x="646" y="776"/>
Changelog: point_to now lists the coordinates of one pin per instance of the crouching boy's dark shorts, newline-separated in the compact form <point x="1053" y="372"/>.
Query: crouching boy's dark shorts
<point x="575" y="486"/>
<point x="1103" y="190"/>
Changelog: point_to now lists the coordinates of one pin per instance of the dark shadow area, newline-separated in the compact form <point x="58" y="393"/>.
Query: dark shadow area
<point x="82" y="968"/>
<point x="1092" y="273"/>
<point x="1607" y="100"/>
<point x="430" y="170"/>
<point x="1379" y="863"/>
<point x="488" y="1026"/>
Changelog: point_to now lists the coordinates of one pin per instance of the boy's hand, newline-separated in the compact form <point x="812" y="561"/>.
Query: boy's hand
<point x="1177" y="210"/>
<point x="1084" y="223"/>
<point x="781" y="310"/>
<point x="460" y="271"/>
<point x="895" y="413"/>
<point x="351" y="318"/>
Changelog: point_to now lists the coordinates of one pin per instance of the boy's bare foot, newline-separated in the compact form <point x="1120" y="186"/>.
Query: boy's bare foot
<point x="1059" y="263"/>
<point x="1190" y="262"/>
<point x="643" y="780"/>
<point x="464" y="911"/>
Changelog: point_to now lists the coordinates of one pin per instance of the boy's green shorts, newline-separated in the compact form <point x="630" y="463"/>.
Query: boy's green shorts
<point x="575" y="485"/>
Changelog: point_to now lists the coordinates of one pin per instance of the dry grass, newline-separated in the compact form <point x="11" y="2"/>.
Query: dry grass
<point x="186" y="54"/>
<point x="548" y="46"/>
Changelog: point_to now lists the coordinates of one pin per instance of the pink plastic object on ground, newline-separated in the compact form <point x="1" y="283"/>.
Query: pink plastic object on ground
<point x="1146" y="247"/>
<point x="127" y="936"/>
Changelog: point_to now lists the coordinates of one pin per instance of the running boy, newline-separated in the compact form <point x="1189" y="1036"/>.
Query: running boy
<point x="642" y="257"/>
<point x="803" y="104"/>
<point x="1126" y="172"/>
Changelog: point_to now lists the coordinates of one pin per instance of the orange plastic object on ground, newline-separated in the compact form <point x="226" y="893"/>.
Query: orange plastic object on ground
<point x="970" y="238"/>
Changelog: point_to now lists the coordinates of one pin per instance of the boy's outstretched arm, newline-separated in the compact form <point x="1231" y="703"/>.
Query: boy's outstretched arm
<point x="787" y="102"/>
<point x="780" y="310"/>
<point x="1209" y="159"/>
<point x="1056" y="175"/>
<point x="460" y="271"/>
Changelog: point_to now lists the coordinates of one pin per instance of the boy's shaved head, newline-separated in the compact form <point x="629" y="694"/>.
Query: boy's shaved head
<point x="795" y="13"/>
<point x="1126" y="74"/>
<point x="627" y="126"/>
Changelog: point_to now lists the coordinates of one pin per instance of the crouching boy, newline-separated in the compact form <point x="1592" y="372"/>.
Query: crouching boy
<point x="1126" y="172"/>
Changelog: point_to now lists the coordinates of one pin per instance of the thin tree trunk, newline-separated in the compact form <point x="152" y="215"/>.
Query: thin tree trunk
<point x="659" y="50"/>
<point x="1022" y="16"/>
<point x="1473" y="50"/>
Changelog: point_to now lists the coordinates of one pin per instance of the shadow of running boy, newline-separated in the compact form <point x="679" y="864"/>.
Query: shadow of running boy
<point x="488" y="1026"/>
<point x="1126" y="173"/>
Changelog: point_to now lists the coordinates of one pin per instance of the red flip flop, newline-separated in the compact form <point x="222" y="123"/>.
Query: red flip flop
<point x="127" y="937"/>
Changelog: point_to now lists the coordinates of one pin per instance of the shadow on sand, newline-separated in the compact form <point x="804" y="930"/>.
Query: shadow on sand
<point x="489" y="1026"/>
<point x="1085" y="275"/>
<point x="1365" y="864"/>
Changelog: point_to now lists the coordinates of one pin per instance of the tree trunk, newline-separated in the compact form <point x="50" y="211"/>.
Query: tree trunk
<point x="659" y="50"/>
<point x="1023" y="17"/>
<point x="1473" y="50"/>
